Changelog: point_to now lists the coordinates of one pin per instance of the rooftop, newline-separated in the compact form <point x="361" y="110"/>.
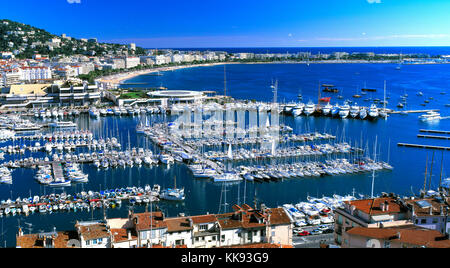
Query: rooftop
<point x="412" y="235"/>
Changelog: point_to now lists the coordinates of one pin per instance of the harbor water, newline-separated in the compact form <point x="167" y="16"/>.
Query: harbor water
<point x="252" y="82"/>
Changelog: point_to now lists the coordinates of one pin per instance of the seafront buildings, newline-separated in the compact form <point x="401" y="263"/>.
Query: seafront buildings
<point x="244" y="226"/>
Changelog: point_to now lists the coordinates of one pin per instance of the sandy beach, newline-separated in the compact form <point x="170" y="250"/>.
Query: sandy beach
<point x="119" y="78"/>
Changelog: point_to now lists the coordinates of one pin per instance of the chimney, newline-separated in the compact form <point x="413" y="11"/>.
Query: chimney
<point x="386" y="205"/>
<point x="129" y="234"/>
<point x="352" y="209"/>
<point x="442" y="211"/>
<point x="431" y="210"/>
<point x="20" y="232"/>
<point x="382" y="207"/>
<point x="191" y="223"/>
<point x="399" y="235"/>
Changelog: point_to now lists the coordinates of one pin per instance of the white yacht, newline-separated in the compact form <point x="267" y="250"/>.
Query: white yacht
<point x="310" y="108"/>
<point x="363" y="113"/>
<point x="298" y="109"/>
<point x="430" y="116"/>
<point x="227" y="177"/>
<point x="172" y="194"/>
<point x="335" y="110"/>
<point x="344" y="111"/>
<point x="373" y="111"/>
<point x="326" y="110"/>
<point x="354" y="111"/>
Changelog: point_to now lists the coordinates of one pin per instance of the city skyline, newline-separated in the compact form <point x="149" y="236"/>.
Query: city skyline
<point x="150" y="24"/>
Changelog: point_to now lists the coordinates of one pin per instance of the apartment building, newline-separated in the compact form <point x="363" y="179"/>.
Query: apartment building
<point x="369" y="213"/>
<point x="94" y="234"/>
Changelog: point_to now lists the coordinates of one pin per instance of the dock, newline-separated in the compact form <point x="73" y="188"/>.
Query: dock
<point x="433" y="137"/>
<point x="57" y="170"/>
<point x="415" y="111"/>
<point x="423" y="146"/>
<point x="435" y="131"/>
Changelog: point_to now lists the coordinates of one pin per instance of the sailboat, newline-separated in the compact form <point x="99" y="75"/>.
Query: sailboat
<point x="383" y="112"/>
<point x="173" y="194"/>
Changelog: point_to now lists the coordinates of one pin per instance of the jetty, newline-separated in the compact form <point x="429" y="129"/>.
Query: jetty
<point x="435" y="131"/>
<point x="424" y="146"/>
<point x="433" y="137"/>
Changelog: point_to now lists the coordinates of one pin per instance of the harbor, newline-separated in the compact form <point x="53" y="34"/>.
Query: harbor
<point x="238" y="151"/>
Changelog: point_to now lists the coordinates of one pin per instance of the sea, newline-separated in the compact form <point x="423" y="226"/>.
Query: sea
<point x="253" y="82"/>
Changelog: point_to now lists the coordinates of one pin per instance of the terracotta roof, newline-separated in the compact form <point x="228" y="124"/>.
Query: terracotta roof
<point x="148" y="220"/>
<point x="34" y="241"/>
<point x="121" y="235"/>
<point x="93" y="231"/>
<point x="412" y="235"/>
<point x="425" y="211"/>
<point x="178" y="224"/>
<point x="203" y="219"/>
<point x="278" y="216"/>
<point x="374" y="206"/>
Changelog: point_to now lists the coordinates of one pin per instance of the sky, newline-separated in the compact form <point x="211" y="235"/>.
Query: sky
<point x="241" y="23"/>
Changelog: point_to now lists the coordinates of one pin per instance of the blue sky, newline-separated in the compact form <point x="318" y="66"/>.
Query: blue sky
<point x="243" y="23"/>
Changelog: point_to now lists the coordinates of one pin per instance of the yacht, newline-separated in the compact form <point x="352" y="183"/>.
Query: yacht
<point x="354" y="111"/>
<point x="172" y="194"/>
<point x="373" y="111"/>
<point x="227" y="177"/>
<point x="298" y="109"/>
<point x="335" y="110"/>
<point x="310" y="108"/>
<point x="326" y="110"/>
<point x="93" y="112"/>
<point x="344" y="111"/>
<point x="430" y="116"/>
<point x="362" y="113"/>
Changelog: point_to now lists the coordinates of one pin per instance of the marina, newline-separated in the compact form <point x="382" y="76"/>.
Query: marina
<point x="313" y="155"/>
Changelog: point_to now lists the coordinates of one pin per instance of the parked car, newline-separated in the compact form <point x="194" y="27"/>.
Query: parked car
<point x="303" y="233"/>
<point x="328" y="231"/>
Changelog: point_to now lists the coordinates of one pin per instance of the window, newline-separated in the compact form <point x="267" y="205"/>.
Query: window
<point x="423" y="221"/>
<point x="88" y="243"/>
<point x="203" y="227"/>
<point x="100" y="240"/>
<point x="214" y="238"/>
<point x="94" y="242"/>
<point x="435" y="220"/>
<point x="196" y="239"/>
<point x="144" y="235"/>
<point x="223" y="238"/>
<point x="387" y="244"/>
<point x="179" y="242"/>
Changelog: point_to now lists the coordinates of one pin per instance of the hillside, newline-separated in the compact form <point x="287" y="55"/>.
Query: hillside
<point x="25" y="41"/>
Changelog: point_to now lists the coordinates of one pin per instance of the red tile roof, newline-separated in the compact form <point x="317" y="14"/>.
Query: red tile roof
<point x="412" y="235"/>
<point x="374" y="206"/>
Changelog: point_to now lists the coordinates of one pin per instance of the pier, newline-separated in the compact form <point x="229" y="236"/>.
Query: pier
<point x="433" y="137"/>
<point x="423" y="146"/>
<point x="435" y="131"/>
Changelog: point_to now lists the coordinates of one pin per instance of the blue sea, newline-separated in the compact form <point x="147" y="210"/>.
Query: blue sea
<point x="252" y="81"/>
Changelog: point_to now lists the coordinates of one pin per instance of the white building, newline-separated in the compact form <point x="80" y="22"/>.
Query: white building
<point x="94" y="234"/>
<point x="131" y="62"/>
<point x="35" y="73"/>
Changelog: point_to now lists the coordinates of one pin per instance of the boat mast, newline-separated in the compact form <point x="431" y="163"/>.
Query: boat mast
<point x="431" y="171"/>
<point x="425" y="179"/>
<point x="442" y="167"/>
<point x="225" y="80"/>
<point x="374" y="159"/>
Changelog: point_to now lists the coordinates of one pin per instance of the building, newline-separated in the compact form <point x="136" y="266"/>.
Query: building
<point x="48" y="95"/>
<point x="430" y="213"/>
<point x="131" y="62"/>
<point x="65" y="239"/>
<point x="369" y="213"/>
<point x="32" y="74"/>
<point x="245" y="226"/>
<point x="396" y="237"/>
<point x="95" y="234"/>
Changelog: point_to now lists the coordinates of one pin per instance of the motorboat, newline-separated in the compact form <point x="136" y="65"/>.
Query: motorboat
<point x="430" y="116"/>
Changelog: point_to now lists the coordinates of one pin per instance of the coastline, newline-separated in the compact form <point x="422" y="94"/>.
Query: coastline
<point x="120" y="78"/>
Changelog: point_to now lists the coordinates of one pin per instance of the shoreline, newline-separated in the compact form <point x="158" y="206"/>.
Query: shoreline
<point x="117" y="79"/>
